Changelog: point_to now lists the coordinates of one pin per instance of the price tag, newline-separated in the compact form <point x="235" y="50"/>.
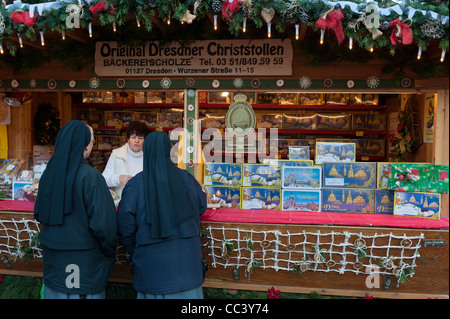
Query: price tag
<point x="95" y="126"/>
<point x="118" y="127"/>
<point x="359" y="133"/>
<point x="364" y="158"/>
<point x="159" y="128"/>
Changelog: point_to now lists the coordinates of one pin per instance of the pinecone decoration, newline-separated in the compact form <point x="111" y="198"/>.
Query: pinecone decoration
<point x="216" y="6"/>
<point x="152" y="3"/>
<point x="303" y="17"/>
<point x="384" y="25"/>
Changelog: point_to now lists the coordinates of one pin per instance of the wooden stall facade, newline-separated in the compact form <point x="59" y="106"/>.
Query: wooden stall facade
<point x="268" y="262"/>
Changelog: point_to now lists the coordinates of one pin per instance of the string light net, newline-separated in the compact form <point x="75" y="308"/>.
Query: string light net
<point x="19" y="238"/>
<point x="314" y="251"/>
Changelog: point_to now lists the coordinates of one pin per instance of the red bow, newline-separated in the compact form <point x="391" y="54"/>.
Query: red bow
<point x="401" y="32"/>
<point x="23" y="17"/>
<point x="230" y="8"/>
<point x="100" y="7"/>
<point x="332" y="20"/>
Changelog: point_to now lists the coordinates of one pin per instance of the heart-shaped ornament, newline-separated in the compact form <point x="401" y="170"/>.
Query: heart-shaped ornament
<point x="267" y="14"/>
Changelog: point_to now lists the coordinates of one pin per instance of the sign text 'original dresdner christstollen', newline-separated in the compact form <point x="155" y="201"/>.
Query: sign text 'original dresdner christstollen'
<point x="202" y="58"/>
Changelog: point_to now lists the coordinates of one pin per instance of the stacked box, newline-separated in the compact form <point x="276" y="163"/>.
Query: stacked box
<point x="170" y="120"/>
<point x="370" y="147"/>
<point x="303" y="200"/>
<point x="288" y="162"/>
<point x="283" y="146"/>
<point x="335" y="98"/>
<point x="384" y="201"/>
<point x="266" y="98"/>
<point x="124" y="97"/>
<point x="149" y="119"/>
<point x="310" y="98"/>
<point x="348" y="200"/>
<point x="306" y="121"/>
<point x="331" y="121"/>
<point x="287" y="98"/>
<point x="223" y="197"/>
<point x="334" y="152"/>
<point x="114" y="118"/>
<point x="222" y="174"/>
<point x="269" y="121"/>
<point x="174" y="97"/>
<point x="354" y="99"/>
<point x="352" y="175"/>
<point x="139" y="97"/>
<point x="370" y="99"/>
<point x="108" y="142"/>
<point x="23" y="191"/>
<point x="263" y="198"/>
<point x="299" y="152"/>
<point x="257" y="175"/>
<point x="302" y="177"/>
<point x="369" y="121"/>
<point x="424" y="205"/>
<point x="215" y="120"/>
<point x="155" y="97"/>
<point x="382" y="175"/>
<point x="419" y="177"/>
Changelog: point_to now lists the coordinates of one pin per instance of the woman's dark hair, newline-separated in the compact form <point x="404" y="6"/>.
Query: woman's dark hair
<point x="138" y="128"/>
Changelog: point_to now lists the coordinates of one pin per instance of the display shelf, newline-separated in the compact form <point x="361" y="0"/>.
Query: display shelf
<point x="225" y="105"/>
<point x="129" y="105"/>
<point x="300" y="106"/>
<point x="123" y="128"/>
<point x="228" y="215"/>
<point x="359" y="133"/>
<point x="287" y="217"/>
<point x="283" y="156"/>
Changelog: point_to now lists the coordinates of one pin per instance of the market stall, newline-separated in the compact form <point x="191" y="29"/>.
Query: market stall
<point x="252" y="117"/>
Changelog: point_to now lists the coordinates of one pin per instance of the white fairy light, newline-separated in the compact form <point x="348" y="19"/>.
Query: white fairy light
<point x="20" y="40"/>
<point x="244" y="24"/>
<point x="90" y="29"/>
<point x="419" y="52"/>
<point x="42" y="37"/>
<point x="297" y="27"/>
<point x="443" y="55"/>
<point x="322" y="34"/>
<point x="350" y="43"/>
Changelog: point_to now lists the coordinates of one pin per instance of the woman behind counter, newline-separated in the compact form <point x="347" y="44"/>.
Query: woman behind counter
<point x="126" y="161"/>
<point x="159" y="224"/>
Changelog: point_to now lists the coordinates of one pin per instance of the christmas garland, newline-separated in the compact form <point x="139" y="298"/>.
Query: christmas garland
<point x="388" y="27"/>
<point x="376" y="22"/>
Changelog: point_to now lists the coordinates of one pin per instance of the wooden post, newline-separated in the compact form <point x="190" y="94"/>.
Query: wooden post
<point x="441" y="135"/>
<point x="19" y="132"/>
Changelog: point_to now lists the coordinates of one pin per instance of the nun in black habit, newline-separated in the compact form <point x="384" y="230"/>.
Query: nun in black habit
<point x="78" y="217"/>
<point x="159" y="225"/>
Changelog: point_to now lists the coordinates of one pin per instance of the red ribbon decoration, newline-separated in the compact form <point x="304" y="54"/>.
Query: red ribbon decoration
<point x="230" y="8"/>
<point x="332" y="20"/>
<point x="100" y="7"/>
<point x="401" y="32"/>
<point x="23" y="17"/>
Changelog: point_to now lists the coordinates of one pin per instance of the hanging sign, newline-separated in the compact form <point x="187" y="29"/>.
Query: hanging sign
<point x="200" y="58"/>
<point x="428" y="118"/>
